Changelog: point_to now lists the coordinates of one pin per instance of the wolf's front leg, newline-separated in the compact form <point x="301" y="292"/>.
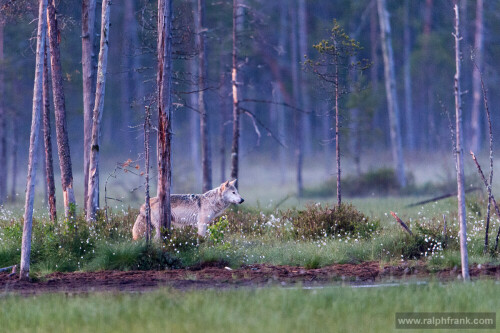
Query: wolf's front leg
<point x="202" y="229"/>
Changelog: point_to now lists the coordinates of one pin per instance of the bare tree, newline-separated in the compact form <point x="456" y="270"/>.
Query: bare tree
<point x="194" y="116"/>
<point x="15" y="144"/>
<point x="49" y="165"/>
<point x="390" y="88"/>
<point x="206" y="155"/>
<point x="35" y="127"/>
<point x="147" y="129"/>
<point x="236" y="110"/>
<point x="89" y="77"/>
<point x="306" y="101"/>
<point x="462" y="217"/>
<point x="475" y="142"/>
<point x="164" y="86"/>
<point x="60" y="112"/>
<point x="93" y="188"/>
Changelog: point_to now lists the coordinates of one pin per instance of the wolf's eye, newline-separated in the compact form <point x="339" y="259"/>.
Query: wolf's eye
<point x="234" y="192"/>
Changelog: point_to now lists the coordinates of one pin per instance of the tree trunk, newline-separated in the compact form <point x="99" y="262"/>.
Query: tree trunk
<point x="462" y="217"/>
<point x="147" y="128"/>
<point x="337" y="131"/>
<point x="298" y="125"/>
<point x="35" y="126"/>
<point x="306" y="102"/>
<point x="3" y="121"/>
<point x="164" y="83"/>
<point x="410" y="136"/>
<point x="127" y="83"/>
<point x="88" y="76"/>
<point x="194" y="116"/>
<point x="224" y="113"/>
<point x="476" y="134"/>
<point x="49" y="165"/>
<point x="390" y="87"/>
<point x="427" y="80"/>
<point x="93" y="199"/>
<point x="236" y="111"/>
<point x="60" y="112"/>
<point x="206" y="155"/>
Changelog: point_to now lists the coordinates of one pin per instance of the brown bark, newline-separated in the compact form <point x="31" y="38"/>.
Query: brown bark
<point x="206" y="155"/>
<point x="60" y="112"/>
<point x="236" y="111"/>
<point x="164" y="86"/>
<point x="35" y="126"/>
<point x="49" y="165"/>
<point x="462" y="217"/>
<point x="93" y="188"/>
<point x="89" y="77"/>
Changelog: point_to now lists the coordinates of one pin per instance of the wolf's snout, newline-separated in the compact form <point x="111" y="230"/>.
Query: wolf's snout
<point x="242" y="200"/>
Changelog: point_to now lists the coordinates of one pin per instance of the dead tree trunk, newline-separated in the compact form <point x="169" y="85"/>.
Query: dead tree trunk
<point x="93" y="188"/>
<point x="49" y="164"/>
<point x="3" y="122"/>
<point x="298" y="125"/>
<point x="476" y="132"/>
<point x="60" y="112"/>
<point x="147" y="127"/>
<point x="88" y="76"/>
<point x="206" y="155"/>
<point x="236" y="111"/>
<point x="35" y="127"/>
<point x="462" y="217"/>
<point x="164" y="83"/>
<point x="390" y="87"/>
<point x="410" y="136"/>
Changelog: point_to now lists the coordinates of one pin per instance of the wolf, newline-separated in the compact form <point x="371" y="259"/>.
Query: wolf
<point x="196" y="210"/>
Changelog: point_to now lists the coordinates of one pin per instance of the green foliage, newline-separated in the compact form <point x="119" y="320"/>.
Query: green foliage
<point x="318" y="221"/>
<point x="216" y="230"/>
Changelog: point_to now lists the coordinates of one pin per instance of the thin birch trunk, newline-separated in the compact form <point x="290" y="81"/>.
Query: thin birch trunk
<point x="35" y="127"/>
<point x="60" y="112"/>
<point x="47" y="139"/>
<point x="164" y="83"/>
<point x="93" y="188"/>
<point x="236" y="111"/>
<point x="337" y="131"/>
<point x="476" y="131"/>
<point x="410" y="136"/>
<point x="3" y="121"/>
<point x="224" y="118"/>
<point x="390" y="87"/>
<point x="462" y="217"/>
<point x="206" y="155"/>
<point x="89" y="77"/>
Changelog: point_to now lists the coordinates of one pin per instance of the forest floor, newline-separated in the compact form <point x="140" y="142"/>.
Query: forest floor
<point x="217" y="276"/>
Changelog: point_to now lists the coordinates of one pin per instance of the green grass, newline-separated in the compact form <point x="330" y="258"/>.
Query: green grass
<point x="334" y="309"/>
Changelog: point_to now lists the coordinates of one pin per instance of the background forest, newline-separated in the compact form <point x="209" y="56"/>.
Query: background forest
<point x="284" y="107"/>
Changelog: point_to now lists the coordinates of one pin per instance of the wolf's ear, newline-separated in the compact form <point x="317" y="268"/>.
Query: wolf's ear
<point x="224" y="185"/>
<point x="232" y="182"/>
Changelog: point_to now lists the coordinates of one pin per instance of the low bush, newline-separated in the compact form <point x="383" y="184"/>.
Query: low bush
<point x="318" y="221"/>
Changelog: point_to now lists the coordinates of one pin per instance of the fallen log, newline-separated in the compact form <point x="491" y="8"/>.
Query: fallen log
<point x="441" y="197"/>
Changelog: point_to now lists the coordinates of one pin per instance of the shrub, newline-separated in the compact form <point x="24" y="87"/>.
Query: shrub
<point x="318" y="221"/>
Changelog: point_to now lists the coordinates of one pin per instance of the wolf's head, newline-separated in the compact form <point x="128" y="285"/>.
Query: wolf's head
<point x="230" y="192"/>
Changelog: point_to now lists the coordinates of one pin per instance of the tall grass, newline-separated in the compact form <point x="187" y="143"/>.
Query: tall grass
<point x="254" y="310"/>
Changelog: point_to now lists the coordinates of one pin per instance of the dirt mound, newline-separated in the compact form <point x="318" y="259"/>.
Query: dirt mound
<point x="214" y="275"/>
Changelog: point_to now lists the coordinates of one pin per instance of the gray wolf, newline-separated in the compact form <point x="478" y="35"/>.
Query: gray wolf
<point x="196" y="210"/>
